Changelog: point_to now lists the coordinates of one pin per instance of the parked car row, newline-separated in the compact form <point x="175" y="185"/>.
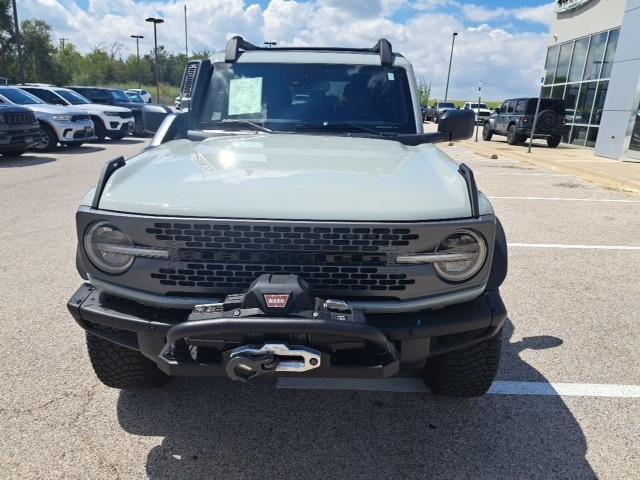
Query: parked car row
<point x="68" y="116"/>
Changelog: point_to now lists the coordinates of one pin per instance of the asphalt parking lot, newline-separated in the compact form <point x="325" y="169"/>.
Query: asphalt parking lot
<point x="573" y="294"/>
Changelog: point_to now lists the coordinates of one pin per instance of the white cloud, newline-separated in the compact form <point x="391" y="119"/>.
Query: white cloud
<point x="482" y="52"/>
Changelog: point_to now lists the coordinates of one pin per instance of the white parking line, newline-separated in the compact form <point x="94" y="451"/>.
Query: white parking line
<point x="607" y="200"/>
<point x="415" y="385"/>
<point x="574" y="247"/>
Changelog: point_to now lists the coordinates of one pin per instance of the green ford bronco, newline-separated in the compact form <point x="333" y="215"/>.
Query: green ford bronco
<point x="293" y="220"/>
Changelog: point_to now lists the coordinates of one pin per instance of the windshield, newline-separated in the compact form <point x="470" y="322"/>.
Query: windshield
<point x="446" y="105"/>
<point x="482" y="105"/>
<point x="72" y="97"/>
<point x="19" y="97"/>
<point x="119" y="96"/>
<point x="286" y="97"/>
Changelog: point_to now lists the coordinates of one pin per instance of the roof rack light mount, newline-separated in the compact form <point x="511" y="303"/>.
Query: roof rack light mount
<point x="236" y="45"/>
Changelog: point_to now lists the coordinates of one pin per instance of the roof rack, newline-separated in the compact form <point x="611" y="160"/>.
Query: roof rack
<point x="236" y="45"/>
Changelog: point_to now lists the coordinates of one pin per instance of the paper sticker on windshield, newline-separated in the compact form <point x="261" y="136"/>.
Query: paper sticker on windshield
<point x="391" y="76"/>
<point x="245" y="96"/>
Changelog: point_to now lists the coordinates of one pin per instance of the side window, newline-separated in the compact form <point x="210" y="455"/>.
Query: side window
<point x="520" y="107"/>
<point x="510" y="106"/>
<point x="503" y="108"/>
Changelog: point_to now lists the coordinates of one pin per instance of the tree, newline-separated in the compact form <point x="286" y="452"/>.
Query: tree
<point x="8" y="63"/>
<point x="424" y="92"/>
<point x="38" y="52"/>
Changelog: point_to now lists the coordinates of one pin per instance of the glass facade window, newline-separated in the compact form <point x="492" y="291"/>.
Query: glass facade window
<point x="595" y="56"/>
<point x="578" y="71"/>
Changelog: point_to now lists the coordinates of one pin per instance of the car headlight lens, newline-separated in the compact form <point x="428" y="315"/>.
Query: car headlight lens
<point x="62" y="118"/>
<point x="112" y="114"/>
<point x="103" y="243"/>
<point x="468" y="252"/>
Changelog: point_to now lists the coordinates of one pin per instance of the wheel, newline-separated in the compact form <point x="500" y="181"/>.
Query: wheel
<point x="121" y="367"/>
<point x="553" y="142"/>
<point x="74" y="144"/>
<point x="12" y="153"/>
<point x="468" y="372"/>
<point x="98" y="129"/>
<point x="116" y="136"/>
<point x="512" y="137"/>
<point x="487" y="134"/>
<point x="48" y="141"/>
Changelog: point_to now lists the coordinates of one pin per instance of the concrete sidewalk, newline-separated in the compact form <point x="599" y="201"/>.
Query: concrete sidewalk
<point x="615" y="174"/>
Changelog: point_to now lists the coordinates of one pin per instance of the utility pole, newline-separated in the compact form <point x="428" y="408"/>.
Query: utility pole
<point x="478" y="109"/>
<point x="453" y="41"/>
<point x="270" y="44"/>
<point x="138" y="37"/>
<point x="155" y="22"/>
<point x="18" y="43"/>
<point x="535" y="116"/>
<point x="186" y="38"/>
<point x="62" y="42"/>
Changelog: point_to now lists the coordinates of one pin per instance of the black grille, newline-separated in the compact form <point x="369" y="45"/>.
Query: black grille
<point x="19" y="118"/>
<point x="332" y="258"/>
<point x="188" y="79"/>
<point x="80" y="118"/>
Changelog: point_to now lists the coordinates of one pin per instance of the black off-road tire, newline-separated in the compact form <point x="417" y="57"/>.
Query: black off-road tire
<point x="468" y="372"/>
<point x="553" y="142"/>
<point x="487" y="133"/>
<point x="512" y="136"/>
<point x="121" y="367"/>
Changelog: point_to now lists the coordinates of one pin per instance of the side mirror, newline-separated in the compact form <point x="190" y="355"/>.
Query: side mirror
<point x="153" y="115"/>
<point x="457" y="124"/>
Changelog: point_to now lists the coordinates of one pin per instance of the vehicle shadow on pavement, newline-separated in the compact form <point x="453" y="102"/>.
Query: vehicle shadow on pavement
<point x="81" y="149"/>
<point x="214" y="428"/>
<point x="24" y="161"/>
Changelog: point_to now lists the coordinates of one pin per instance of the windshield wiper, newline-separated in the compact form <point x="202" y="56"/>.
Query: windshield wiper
<point x="339" y="126"/>
<point x="247" y="123"/>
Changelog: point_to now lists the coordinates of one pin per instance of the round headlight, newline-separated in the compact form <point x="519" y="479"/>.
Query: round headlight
<point x="468" y="252"/>
<point x="101" y="242"/>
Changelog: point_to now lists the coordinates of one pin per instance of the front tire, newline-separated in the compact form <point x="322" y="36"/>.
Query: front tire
<point x="553" y="142"/>
<point x="48" y="141"/>
<point x="98" y="129"/>
<point x="123" y="368"/>
<point x="467" y="372"/>
<point x="487" y="133"/>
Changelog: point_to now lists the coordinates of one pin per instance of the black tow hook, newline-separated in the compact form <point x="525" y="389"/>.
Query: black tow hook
<point x="246" y="366"/>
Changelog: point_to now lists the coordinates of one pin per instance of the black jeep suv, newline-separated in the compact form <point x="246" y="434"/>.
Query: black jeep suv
<point x="515" y="119"/>
<point x="19" y="130"/>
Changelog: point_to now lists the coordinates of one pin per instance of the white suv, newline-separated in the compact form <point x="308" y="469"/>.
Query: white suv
<point x="68" y="126"/>
<point x="110" y="121"/>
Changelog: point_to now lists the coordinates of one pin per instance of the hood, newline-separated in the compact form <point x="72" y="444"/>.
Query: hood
<point x="130" y="105"/>
<point x="290" y="177"/>
<point x="95" y="107"/>
<point x="55" y="109"/>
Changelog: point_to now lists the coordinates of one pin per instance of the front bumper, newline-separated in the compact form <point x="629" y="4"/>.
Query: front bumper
<point x="120" y="125"/>
<point x="398" y="341"/>
<point x="19" y="137"/>
<point x="74" y="131"/>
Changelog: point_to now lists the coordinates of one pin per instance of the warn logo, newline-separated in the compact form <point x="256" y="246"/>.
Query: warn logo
<point x="276" y="300"/>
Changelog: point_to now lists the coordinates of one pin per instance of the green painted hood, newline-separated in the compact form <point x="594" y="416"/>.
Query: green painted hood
<point x="290" y="177"/>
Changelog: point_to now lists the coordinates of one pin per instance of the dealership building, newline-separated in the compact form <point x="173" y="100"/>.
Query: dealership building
<point x="593" y="63"/>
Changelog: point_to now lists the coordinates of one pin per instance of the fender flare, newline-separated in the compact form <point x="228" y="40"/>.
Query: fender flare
<point x="500" y="263"/>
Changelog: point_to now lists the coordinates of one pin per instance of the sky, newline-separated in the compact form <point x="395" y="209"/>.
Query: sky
<point x="500" y="42"/>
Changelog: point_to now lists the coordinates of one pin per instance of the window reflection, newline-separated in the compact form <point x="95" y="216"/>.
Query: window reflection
<point x="610" y="54"/>
<point x="598" y="107"/>
<point x="550" y="64"/>
<point x="563" y="63"/>
<point x="595" y="56"/>
<point x="585" y="102"/>
<point x="577" y="63"/>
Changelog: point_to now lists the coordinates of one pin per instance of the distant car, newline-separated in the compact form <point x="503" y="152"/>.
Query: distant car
<point x="435" y="111"/>
<point x="135" y="97"/>
<point x="146" y="96"/>
<point x="65" y="125"/>
<point x="19" y="130"/>
<point x="108" y="120"/>
<point x="114" y="96"/>
<point x="181" y="103"/>
<point x="481" y="110"/>
<point x="516" y="117"/>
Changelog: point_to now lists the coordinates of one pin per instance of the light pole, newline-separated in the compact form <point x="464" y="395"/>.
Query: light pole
<point x="18" y="43"/>
<point x="453" y="41"/>
<point x="138" y="37"/>
<point x="186" y="38"/>
<point x="155" y="22"/>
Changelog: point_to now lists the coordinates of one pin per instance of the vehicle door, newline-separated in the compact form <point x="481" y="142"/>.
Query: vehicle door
<point x="501" y="118"/>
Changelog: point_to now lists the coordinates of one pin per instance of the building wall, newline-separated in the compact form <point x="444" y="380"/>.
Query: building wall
<point x="620" y="128"/>
<point x="594" y="16"/>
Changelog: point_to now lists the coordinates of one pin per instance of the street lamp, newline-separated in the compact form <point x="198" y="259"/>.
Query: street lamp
<point x="138" y="37"/>
<point x="453" y="41"/>
<point x="155" y="22"/>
